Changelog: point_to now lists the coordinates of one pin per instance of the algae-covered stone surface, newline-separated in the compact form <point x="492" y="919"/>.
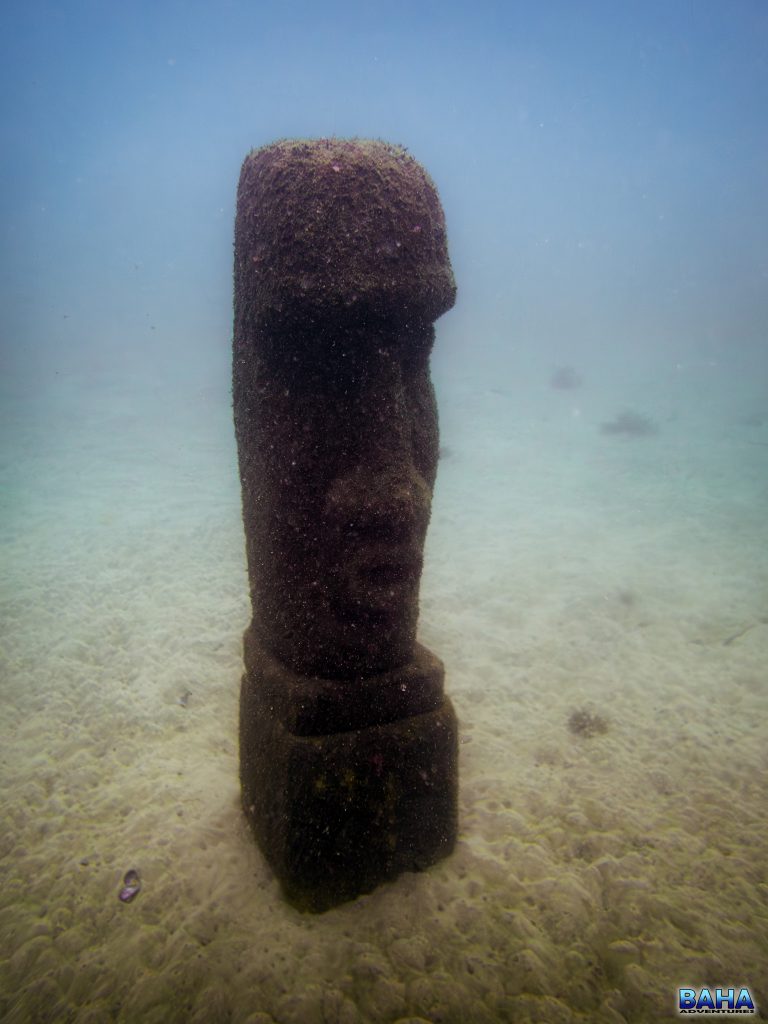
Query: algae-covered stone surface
<point x="336" y="224"/>
<point x="341" y="266"/>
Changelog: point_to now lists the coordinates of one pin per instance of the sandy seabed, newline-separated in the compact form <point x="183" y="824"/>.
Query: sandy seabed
<point x="567" y="571"/>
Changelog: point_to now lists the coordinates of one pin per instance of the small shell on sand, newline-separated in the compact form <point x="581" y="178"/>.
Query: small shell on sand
<point x="131" y="886"/>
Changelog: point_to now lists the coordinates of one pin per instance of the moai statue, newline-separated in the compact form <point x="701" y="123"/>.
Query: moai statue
<point x="348" y="745"/>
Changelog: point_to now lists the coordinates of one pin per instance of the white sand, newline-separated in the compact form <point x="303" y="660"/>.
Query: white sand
<point x="566" y="570"/>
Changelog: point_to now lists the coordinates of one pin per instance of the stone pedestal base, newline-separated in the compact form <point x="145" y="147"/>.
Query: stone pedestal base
<point x="347" y="783"/>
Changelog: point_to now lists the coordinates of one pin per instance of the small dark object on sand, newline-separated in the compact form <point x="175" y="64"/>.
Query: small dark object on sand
<point x="753" y="419"/>
<point x="584" y="723"/>
<point x="183" y="700"/>
<point x="633" y="424"/>
<point x="564" y="378"/>
<point x="131" y="886"/>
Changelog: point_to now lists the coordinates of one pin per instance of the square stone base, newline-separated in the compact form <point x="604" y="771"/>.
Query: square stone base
<point x="337" y="813"/>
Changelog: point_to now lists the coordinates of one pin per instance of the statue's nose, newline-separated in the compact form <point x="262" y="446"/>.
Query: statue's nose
<point x="388" y="500"/>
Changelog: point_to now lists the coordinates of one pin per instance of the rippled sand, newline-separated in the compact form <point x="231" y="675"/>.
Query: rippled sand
<point x="566" y="571"/>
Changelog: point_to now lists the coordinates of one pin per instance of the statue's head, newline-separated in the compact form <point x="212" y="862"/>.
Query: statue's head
<point x="341" y="267"/>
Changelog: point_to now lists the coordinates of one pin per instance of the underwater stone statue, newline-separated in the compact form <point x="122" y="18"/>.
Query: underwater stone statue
<point x="347" y="741"/>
